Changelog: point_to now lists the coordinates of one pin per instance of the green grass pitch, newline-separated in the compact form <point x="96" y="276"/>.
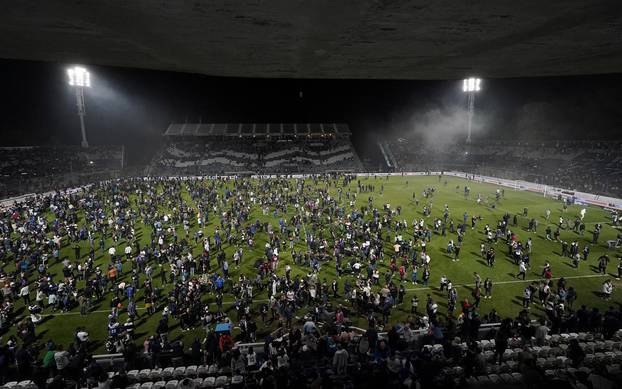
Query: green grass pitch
<point x="398" y="191"/>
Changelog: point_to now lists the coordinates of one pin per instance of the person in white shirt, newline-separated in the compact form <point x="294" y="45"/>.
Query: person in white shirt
<point x="62" y="359"/>
<point x="607" y="289"/>
<point x="25" y="294"/>
<point x="522" y="270"/>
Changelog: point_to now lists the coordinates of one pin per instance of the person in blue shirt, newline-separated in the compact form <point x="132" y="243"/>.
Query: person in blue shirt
<point x="130" y="291"/>
<point x="220" y="283"/>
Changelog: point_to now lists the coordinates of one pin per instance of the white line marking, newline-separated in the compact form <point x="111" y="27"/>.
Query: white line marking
<point x="514" y="281"/>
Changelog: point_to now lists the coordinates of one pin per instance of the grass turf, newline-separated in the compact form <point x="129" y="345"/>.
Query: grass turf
<point x="507" y="290"/>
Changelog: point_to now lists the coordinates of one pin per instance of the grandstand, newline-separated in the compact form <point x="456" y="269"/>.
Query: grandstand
<point x="588" y="166"/>
<point x="42" y="168"/>
<point x="255" y="148"/>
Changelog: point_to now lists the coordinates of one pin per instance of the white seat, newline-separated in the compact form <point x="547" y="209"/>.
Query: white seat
<point x="599" y="358"/>
<point x="506" y="378"/>
<point x="237" y="380"/>
<point x="134" y="386"/>
<point x="213" y="369"/>
<point x="132" y="375"/>
<point x="209" y="382"/>
<point x="191" y="371"/>
<point x="563" y="361"/>
<point x="197" y="382"/>
<point x="179" y="372"/>
<point x="155" y="374"/>
<point x="494" y="378"/>
<point x="202" y="370"/>
<point x="146" y="385"/>
<point x="144" y="374"/>
<point x="159" y="385"/>
<point x="27" y="384"/>
<point x="585" y="370"/>
<point x="172" y="384"/>
<point x="167" y="373"/>
<point x="553" y="363"/>
<point x="222" y="381"/>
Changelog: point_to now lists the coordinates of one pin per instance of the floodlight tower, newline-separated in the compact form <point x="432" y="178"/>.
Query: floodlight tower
<point x="80" y="78"/>
<point x="471" y="86"/>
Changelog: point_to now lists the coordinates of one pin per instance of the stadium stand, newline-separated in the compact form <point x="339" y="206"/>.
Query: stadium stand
<point x="260" y="148"/>
<point x="41" y="168"/>
<point x="590" y="166"/>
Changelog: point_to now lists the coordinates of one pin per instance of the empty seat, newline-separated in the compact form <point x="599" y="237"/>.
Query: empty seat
<point x="209" y="382"/>
<point x="27" y="384"/>
<point x="213" y="369"/>
<point x="222" y="381"/>
<point x="155" y="375"/>
<point x="144" y="375"/>
<point x="134" y="386"/>
<point x="132" y="375"/>
<point x="191" y="371"/>
<point x="146" y="385"/>
<point x="179" y="372"/>
<point x="494" y="378"/>
<point x="563" y="361"/>
<point x="167" y="374"/>
<point x="172" y="384"/>
<point x="202" y="370"/>
<point x="159" y="385"/>
<point x="237" y="381"/>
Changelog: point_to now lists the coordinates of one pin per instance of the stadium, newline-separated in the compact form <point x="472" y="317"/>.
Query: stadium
<point x="321" y="195"/>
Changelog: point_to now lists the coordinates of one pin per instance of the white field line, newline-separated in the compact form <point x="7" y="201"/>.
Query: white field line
<point x="515" y="281"/>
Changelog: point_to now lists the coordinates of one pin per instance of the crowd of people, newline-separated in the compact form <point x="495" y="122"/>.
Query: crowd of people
<point x="587" y="166"/>
<point x="272" y="156"/>
<point x="140" y="247"/>
<point x="37" y="168"/>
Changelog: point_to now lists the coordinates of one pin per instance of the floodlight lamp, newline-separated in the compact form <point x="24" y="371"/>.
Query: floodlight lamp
<point x="79" y="76"/>
<point x="471" y="84"/>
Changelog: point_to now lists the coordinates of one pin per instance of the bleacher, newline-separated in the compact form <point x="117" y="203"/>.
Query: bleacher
<point x="587" y="166"/>
<point x="602" y="361"/>
<point x="312" y="153"/>
<point x="41" y="168"/>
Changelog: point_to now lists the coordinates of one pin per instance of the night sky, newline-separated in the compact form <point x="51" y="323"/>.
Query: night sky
<point x="134" y="107"/>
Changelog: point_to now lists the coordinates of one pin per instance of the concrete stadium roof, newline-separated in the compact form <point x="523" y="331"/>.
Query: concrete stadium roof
<point x="379" y="39"/>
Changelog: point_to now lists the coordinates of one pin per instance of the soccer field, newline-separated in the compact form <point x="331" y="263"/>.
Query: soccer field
<point x="398" y="191"/>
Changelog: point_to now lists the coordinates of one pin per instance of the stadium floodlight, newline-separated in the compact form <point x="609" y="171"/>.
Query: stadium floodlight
<point x="80" y="78"/>
<point x="471" y="86"/>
